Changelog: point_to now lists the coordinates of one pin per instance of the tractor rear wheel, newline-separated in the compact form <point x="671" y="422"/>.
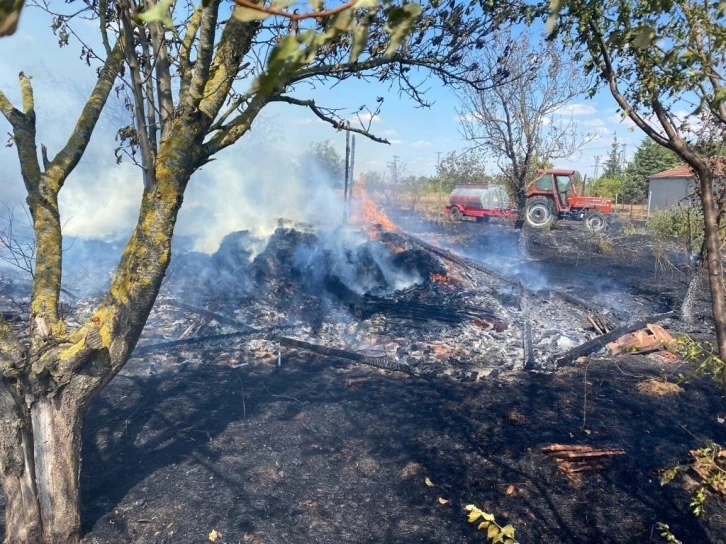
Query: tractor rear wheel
<point x="456" y="214"/>
<point x="595" y="221"/>
<point x="540" y="212"/>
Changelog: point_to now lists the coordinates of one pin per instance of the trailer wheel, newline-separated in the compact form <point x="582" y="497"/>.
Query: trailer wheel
<point x="540" y="213"/>
<point x="456" y="214"/>
<point x="595" y="221"/>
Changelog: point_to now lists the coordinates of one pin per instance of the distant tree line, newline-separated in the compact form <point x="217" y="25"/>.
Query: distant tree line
<point x="627" y="181"/>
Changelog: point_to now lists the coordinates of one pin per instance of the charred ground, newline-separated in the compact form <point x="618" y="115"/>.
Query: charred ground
<point x="217" y="436"/>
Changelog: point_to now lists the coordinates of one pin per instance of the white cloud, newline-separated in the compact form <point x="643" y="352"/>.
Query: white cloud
<point x="576" y="109"/>
<point x="308" y="121"/>
<point x="365" y="118"/>
<point x="389" y="132"/>
<point x="421" y="144"/>
<point x="395" y="142"/>
<point x="596" y="122"/>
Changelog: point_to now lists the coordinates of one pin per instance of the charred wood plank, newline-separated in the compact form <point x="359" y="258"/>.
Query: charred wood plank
<point x="143" y="350"/>
<point x="475" y="265"/>
<point x="379" y="362"/>
<point x="601" y="341"/>
<point x="219" y="318"/>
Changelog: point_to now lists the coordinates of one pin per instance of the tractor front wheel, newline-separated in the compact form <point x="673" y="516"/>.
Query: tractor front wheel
<point x="540" y="213"/>
<point x="595" y="221"/>
<point x="456" y="214"/>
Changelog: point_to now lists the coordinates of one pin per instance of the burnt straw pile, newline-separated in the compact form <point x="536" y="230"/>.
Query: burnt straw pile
<point x="380" y="297"/>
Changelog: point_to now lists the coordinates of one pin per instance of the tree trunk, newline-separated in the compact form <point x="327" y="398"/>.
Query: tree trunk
<point x="42" y="488"/>
<point x="713" y="257"/>
<point x="688" y="307"/>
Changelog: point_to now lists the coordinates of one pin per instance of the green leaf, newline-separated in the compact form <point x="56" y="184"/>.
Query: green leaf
<point x="281" y="4"/>
<point x="400" y="22"/>
<point x="492" y="532"/>
<point x="360" y="39"/>
<point x="247" y="15"/>
<point x="343" y="20"/>
<point x="645" y="36"/>
<point x="483" y="525"/>
<point x="317" y="5"/>
<point x="508" y="531"/>
<point x="487" y="516"/>
<point x="366" y="4"/>
<point x="555" y="8"/>
<point x="474" y="515"/>
<point x="158" y="13"/>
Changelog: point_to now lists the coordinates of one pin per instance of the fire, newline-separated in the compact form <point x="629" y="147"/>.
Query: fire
<point x="439" y="278"/>
<point x="368" y="211"/>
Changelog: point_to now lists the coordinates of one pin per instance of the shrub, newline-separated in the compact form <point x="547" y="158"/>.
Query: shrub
<point x="680" y="221"/>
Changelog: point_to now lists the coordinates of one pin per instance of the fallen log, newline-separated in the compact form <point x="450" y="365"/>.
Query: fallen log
<point x="219" y="318"/>
<point x="384" y="363"/>
<point x="143" y="350"/>
<point x="475" y="265"/>
<point x="601" y="341"/>
<point x="378" y="362"/>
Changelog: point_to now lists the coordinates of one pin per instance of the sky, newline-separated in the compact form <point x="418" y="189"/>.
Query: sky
<point x="417" y="135"/>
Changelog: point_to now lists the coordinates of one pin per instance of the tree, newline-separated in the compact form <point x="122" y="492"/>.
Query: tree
<point x="415" y="187"/>
<point x="455" y="168"/>
<point x="614" y="163"/>
<point x="514" y="122"/>
<point x="650" y="158"/>
<point x="322" y="160"/>
<point x="182" y="86"/>
<point x="609" y="187"/>
<point x="656" y="58"/>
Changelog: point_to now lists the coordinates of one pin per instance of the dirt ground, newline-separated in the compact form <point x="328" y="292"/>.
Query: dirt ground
<point x="298" y="454"/>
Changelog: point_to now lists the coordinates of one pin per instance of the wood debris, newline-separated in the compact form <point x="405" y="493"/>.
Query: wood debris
<point x="575" y="459"/>
<point x="653" y="338"/>
<point x="600" y="323"/>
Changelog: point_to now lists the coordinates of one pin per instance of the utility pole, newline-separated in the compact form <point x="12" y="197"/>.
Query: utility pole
<point x="597" y="165"/>
<point x="438" y="173"/>
<point x="352" y="168"/>
<point x="347" y="174"/>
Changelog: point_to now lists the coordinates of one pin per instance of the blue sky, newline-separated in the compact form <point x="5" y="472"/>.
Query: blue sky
<point x="61" y="81"/>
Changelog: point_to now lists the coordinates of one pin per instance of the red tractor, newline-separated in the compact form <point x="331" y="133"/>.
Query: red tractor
<point x="553" y="196"/>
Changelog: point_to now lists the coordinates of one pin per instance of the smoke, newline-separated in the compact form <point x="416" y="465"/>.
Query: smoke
<point x="252" y="188"/>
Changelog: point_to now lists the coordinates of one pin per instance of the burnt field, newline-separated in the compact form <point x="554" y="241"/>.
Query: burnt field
<point x="305" y="392"/>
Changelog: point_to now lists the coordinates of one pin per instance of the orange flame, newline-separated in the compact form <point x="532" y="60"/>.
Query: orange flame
<point x="439" y="278"/>
<point x="368" y="211"/>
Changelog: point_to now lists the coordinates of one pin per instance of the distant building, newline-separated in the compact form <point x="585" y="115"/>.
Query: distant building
<point x="670" y="187"/>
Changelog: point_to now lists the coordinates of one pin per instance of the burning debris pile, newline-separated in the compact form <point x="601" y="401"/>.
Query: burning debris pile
<point x="368" y="292"/>
<point x="372" y="294"/>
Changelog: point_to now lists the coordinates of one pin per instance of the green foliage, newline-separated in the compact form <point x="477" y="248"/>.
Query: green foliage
<point x="464" y="168"/>
<point x="613" y="164"/>
<point x="679" y="221"/>
<point x="701" y="354"/>
<point x="707" y="463"/>
<point x="298" y="49"/>
<point x="665" y="532"/>
<point x="496" y="534"/>
<point x="608" y="187"/>
<point x="159" y="12"/>
<point x="322" y="159"/>
<point x="650" y="158"/>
